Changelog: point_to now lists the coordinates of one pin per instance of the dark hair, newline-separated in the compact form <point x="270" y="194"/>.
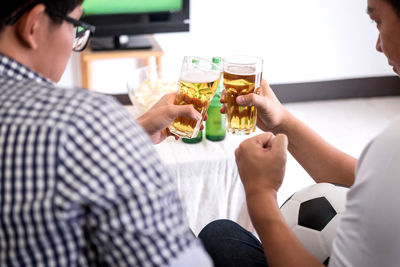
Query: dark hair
<point x="396" y="5"/>
<point x="11" y="7"/>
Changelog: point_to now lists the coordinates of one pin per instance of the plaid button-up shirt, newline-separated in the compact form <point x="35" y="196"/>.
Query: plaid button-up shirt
<point x="80" y="181"/>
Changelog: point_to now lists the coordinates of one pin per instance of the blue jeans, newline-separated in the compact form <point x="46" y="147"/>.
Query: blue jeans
<point x="229" y="244"/>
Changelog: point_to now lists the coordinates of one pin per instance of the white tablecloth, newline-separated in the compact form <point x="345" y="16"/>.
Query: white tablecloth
<point x="207" y="179"/>
<point x="206" y="173"/>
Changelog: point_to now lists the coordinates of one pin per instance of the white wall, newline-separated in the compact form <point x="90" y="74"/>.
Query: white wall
<point x="304" y="40"/>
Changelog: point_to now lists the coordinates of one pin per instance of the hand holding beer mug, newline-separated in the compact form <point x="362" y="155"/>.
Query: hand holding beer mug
<point x="198" y="82"/>
<point x="242" y="76"/>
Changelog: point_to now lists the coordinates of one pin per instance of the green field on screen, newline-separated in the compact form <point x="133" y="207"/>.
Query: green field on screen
<point x="100" y="7"/>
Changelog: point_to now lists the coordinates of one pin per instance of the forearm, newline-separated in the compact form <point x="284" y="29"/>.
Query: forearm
<point x="281" y="246"/>
<point x="322" y="161"/>
<point x="145" y="122"/>
<point x="142" y="120"/>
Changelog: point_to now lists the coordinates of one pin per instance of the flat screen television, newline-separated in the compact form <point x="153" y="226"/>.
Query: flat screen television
<point x="119" y="23"/>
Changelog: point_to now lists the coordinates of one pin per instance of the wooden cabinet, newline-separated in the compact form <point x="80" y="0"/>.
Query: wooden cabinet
<point x="88" y="56"/>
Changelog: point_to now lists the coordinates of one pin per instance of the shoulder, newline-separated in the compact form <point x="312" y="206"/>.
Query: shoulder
<point x="82" y="109"/>
<point x="383" y="152"/>
<point x="82" y="100"/>
<point x="379" y="163"/>
<point x="389" y="136"/>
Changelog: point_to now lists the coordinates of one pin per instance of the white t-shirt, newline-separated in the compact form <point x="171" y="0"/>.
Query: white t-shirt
<point x="369" y="233"/>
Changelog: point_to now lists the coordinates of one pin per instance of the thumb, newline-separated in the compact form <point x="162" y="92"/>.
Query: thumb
<point x="279" y="144"/>
<point x="185" y="111"/>
<point x="250" y="100"/>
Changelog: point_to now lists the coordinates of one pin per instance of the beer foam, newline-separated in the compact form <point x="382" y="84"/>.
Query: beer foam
<point x="241" y="70"/>
<point x="199" y="76"/>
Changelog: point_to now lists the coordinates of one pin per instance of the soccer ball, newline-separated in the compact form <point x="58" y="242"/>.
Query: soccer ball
<point x="313" y="213"/>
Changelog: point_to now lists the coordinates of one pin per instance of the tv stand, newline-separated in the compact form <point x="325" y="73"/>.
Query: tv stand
<point x="122" y="42"/>
<point x="88" y="55"/>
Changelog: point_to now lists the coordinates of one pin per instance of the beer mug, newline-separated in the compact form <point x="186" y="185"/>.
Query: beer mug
<point x="242" y="76"/>
<point x="198" y="82"/>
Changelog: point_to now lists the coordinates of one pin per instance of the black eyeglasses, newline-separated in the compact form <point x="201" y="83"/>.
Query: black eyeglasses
<point x="82" y="29"/>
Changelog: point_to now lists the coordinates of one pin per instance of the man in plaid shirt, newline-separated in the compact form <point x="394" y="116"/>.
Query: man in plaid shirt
<point x="80" y="182"/>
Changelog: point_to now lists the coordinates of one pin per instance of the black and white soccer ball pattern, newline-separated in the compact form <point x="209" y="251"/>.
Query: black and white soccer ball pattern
<point x="313" y="213"/>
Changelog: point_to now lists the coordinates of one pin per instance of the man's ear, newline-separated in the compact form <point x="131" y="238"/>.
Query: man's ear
<point x="28" y="27"/>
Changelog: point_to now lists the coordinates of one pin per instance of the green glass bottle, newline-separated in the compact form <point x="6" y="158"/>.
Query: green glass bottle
<point x="199" y="136"/>
<point x="215" y="124"/>
<point x="194" y="140"/>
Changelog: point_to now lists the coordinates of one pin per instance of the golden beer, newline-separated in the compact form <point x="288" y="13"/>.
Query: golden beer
<point x="196" y="87"/>
<point x="241" y="81"/>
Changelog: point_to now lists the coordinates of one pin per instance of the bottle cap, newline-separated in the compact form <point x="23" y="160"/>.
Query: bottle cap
<point x="216" y="60"/>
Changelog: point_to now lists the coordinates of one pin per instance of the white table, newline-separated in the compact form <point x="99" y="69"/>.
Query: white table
<point x="207" y="179"/>
<point x="206" y="173"/>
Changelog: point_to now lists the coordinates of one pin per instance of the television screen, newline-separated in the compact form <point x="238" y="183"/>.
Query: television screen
<point x="102" y="7"/>
<point x="129" y="19"/>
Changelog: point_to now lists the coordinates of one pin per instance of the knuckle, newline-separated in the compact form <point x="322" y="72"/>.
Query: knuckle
<point x="237" y="153"/>
<point x="253" y="97"/>
<point x="244" y="143"/>
<point x="268" y="135"/>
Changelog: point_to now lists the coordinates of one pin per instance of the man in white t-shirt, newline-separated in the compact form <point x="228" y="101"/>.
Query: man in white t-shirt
<point x="369" y="233"/>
